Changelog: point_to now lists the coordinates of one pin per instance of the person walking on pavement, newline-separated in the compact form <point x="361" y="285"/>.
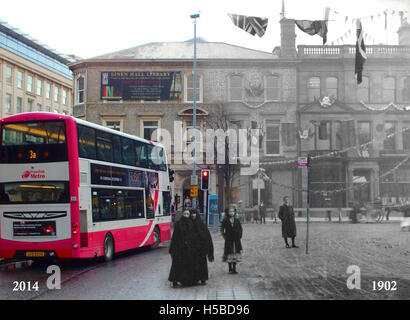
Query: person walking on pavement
<point x="181" y="250"/>
<point x="240" y="212"/>
<point x="263" y="213"/>
<point x="202" y="248"/>
<point x="287" y="216"/>
<point x="231" y="230"/>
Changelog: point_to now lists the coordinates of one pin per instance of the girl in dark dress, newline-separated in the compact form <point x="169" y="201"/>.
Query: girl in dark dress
<point x="231" y="230"/>
<point x="181" y="250"/>
<point x="202" y="248"/>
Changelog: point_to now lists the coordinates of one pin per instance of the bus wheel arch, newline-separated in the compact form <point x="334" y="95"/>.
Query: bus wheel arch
<point x="157" y="237"/>
<point x="108" y="247"/>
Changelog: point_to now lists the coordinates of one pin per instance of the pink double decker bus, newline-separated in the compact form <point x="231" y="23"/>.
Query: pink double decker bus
<point x="73" y="189"/>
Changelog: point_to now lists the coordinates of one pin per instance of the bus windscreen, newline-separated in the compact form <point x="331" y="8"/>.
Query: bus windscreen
<point x="33" y="142"/>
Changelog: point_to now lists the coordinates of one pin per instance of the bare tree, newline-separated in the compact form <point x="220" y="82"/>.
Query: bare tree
<point x="219" y="120"/>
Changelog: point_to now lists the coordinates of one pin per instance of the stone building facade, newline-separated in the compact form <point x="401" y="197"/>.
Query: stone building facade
<point x="33" y="77"/>
<point x="302" y="99"/>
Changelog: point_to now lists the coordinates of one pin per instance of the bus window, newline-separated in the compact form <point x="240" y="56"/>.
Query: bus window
<point x="116" y="141"/>
<point x="141" y="152"/>
<point x="117" y="204"/>
<point x="166" y="199"/>
<point x="156" y="158"/>
<point x="86" y="142"/>
<point x="33" y="141"/>
<point x="128" y="151"/>
<point x="34" y="192"/>
<point x="104" y="146"/>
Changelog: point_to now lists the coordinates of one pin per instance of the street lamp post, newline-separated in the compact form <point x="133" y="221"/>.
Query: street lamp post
<point x="194" y="178"/>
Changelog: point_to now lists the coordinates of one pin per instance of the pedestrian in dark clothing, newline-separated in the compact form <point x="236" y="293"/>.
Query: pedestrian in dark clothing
<point x="287" y="216"/>
<point x="181" y="250"/>
<point x="202" y="248"/>
<point x="263" y="213"/>
<point x="231" y="230"/>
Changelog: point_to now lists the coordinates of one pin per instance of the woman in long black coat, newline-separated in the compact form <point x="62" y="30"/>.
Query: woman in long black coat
<point x="287" y="216"/>
<point x="231" y="230"/>
<point x="181" y="250"/>
<point x="202" y="248"/>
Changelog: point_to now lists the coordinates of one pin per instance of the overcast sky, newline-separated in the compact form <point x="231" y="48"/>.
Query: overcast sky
<point x="88" y="28"/>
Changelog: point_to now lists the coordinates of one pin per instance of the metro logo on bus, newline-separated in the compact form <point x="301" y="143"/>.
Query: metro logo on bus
<point x="34" y="174"/>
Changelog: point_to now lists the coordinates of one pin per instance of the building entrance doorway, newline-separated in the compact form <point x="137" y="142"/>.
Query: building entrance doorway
<point x="362" y="184"/>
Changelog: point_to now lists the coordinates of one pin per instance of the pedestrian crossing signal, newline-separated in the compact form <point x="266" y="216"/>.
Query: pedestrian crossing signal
<point x="204" y="179"/>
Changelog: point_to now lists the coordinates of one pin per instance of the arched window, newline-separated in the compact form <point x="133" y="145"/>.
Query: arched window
<point x="405" y="90"/>
<point x="313" y="88"/>
<point x="331" y="87"/>
<point x="363" y="90"/>
<point x="272" y="87"/>
<point x="236" y="88"/>
<point x="389" y="87"/>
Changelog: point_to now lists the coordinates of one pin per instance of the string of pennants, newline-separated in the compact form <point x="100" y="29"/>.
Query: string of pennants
<point x="385" y="15"/>
<point x="356" y="186"/>
<point x="350" y="32"/>
<point x="336" y="152"/>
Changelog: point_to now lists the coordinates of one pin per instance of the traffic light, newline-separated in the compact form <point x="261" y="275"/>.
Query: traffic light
<point x="171" y="174"/>
<point x="205" y="179"/>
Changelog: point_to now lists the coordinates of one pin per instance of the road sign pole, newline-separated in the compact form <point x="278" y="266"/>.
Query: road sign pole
<point x="308" y="203"/>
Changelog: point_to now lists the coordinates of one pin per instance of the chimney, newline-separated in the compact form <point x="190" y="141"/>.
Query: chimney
<point x="287" y="38"/>
<point x="404" y="33"/>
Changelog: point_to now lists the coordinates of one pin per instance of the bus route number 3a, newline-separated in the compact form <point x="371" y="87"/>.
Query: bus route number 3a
<point x="32" y="154"/>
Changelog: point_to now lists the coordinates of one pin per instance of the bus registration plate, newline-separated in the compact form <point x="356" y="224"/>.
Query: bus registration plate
<point x="35" y="254"/>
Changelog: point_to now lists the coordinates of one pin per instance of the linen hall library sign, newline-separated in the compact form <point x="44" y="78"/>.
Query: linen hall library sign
<point x="141" y="85"/>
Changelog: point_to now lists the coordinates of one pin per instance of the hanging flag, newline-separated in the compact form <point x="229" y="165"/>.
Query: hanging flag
<point x="252" y="25"/>
<point x="360" y="52"/>
<point x="310" y="27"/>
<point x="385" y="20"/>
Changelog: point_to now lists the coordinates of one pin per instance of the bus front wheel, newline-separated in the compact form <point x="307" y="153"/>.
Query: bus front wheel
<point x="108" y="247"/>
<point x="157" y="238"/>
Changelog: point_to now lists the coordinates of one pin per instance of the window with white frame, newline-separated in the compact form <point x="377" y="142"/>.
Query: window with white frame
<point x="80" y="90"/>
<point x="236" y="88"/>
<point x="19" y="105"/>
<point x="114" y="123"/>
<point x="189" y="88"/>
<point x="272" y="87"/>
<point x="405" y="89"/>
<point x="148" y="126"/>
<point x="20" y="79"/>
<point x="48" y="108"/>
<point x="363" y="90"/>
<point x="389" y="88"/>
<point x="331" y="87"/>
<point x="9" y="74"/>
<point x="38" y="107"/>
<point x="30" y="83"/>
<point x="313" y="88"/>
<point x="8" y="102"/>
<point x="272" y="137"/>
<point x="64" y="97"/>
<point x="56" y="94"/>
<point x="29" y="105"/>
<point x="189" y="126"/>
<point x="39" y="87"/>
<point x="48" y="90"/>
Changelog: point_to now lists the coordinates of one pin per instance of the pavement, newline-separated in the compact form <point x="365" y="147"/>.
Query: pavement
<point x="268" y="271"/>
